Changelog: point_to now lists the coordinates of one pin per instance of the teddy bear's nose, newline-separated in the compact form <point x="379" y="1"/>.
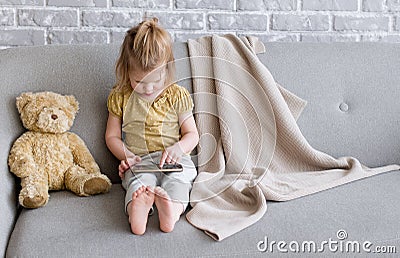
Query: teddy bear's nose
<point x="54" y="116"/>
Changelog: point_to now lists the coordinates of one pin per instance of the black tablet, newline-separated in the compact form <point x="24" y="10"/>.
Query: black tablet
<point x="140" y="168"/>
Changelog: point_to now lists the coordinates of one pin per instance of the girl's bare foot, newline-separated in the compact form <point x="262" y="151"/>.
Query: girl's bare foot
<point x="168" y="210"/>
<point x="138" y="209"/>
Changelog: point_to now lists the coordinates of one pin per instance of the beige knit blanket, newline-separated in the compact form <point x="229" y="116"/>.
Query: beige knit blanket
<point x="251" y="149"/>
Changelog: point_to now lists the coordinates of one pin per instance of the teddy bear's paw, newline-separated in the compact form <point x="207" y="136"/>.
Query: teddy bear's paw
<point x="97" y="185"/>
<point x="33" y="196"/>
<point x="34" y="202"/>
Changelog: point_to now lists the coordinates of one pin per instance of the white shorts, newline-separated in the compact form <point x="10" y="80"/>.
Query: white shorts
<point x="176" y="184"/>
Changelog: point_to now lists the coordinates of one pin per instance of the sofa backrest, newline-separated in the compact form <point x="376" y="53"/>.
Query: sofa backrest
<point x="353" y="92"/>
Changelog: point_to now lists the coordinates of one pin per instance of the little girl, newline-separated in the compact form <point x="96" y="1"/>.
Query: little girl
<point x="150" y="121"/>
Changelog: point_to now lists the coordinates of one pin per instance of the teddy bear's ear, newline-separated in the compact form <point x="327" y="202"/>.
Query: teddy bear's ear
<point x="22" y="100"/>
<point x="73" y="102"/>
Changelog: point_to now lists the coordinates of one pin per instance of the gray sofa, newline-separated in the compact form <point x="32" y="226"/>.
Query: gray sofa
<point x="353" y="93"/>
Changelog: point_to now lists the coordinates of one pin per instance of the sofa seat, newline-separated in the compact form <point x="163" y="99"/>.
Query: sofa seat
<point x="97" y="226"/>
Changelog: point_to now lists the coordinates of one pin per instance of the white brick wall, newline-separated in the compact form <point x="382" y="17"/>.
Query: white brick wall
<point x="39" y="22"/>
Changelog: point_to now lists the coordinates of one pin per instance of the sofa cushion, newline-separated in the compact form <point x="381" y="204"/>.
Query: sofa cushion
<point x="71" y="226"/>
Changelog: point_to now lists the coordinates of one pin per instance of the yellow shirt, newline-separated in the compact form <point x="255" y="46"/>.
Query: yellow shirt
<point x="150" y="126"/>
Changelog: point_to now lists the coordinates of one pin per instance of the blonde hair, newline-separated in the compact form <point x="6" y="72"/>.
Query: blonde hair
<point x="145" y="46"/>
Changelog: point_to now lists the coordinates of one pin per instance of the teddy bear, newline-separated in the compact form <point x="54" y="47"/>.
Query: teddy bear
<point x="48" y="156"/>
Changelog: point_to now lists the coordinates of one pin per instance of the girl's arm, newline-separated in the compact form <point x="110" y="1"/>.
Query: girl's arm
<point x="117" y="147"/>
<point x="188" y="141"/>
<point x="114" y="137"/>
<point x="190" y="136"/>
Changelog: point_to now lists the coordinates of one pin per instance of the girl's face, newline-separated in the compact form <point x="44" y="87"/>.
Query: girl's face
<point x="149" y="85"/>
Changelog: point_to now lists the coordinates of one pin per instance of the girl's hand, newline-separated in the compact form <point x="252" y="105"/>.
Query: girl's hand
<point x="171" y="154"/>
<point x="126" y="164"/>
